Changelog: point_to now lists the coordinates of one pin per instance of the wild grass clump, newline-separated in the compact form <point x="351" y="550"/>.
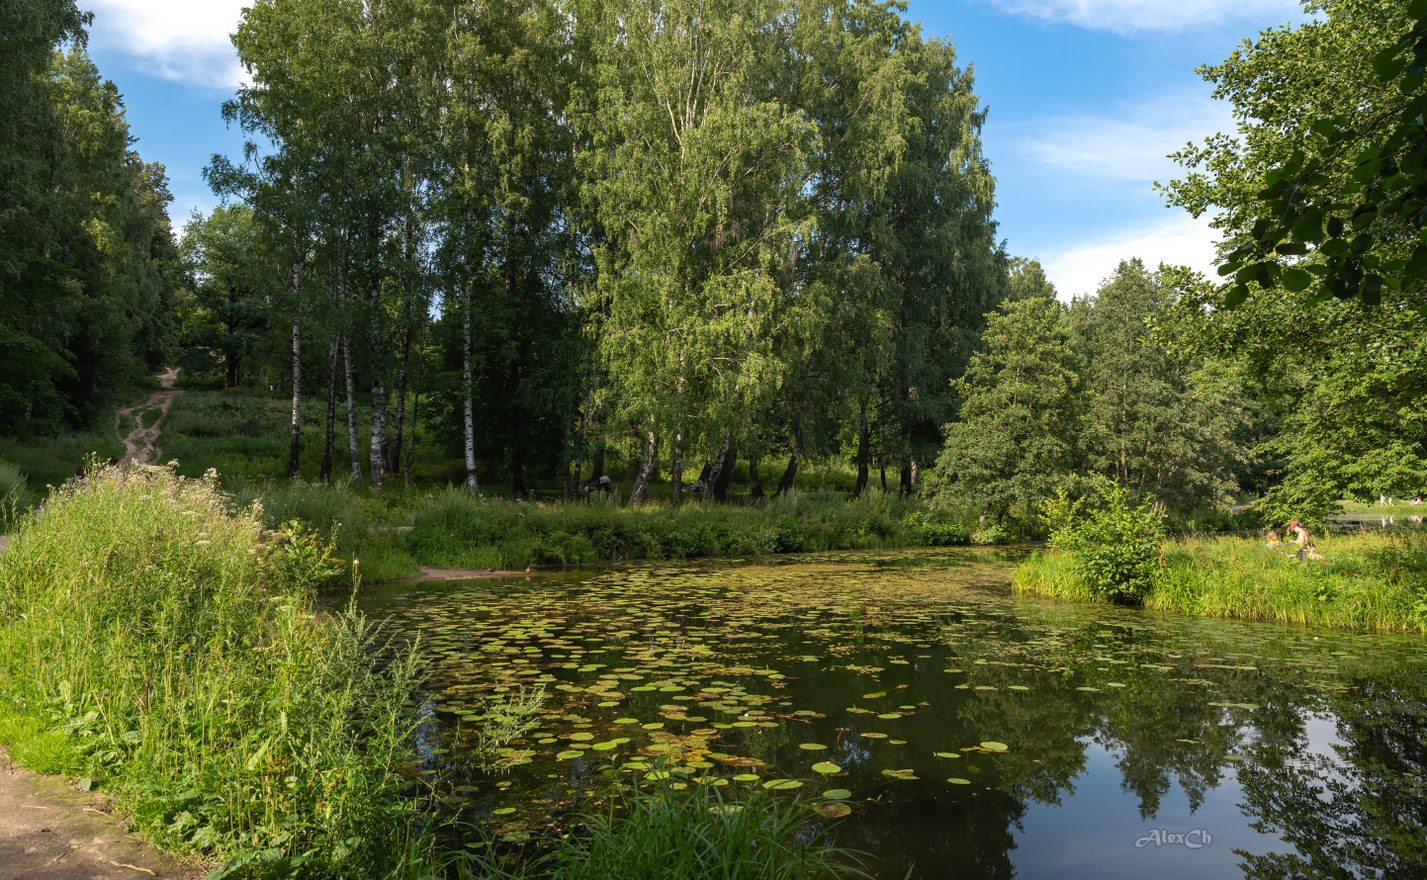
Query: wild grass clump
<point x="1365" y="580"/>
<point x="662" y="834"/>
<point x="173" y="646"/>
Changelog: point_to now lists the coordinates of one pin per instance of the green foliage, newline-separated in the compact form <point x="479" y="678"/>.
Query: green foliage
<point x="1323" y="199"/>
<point x="506" y="717"/>
<point x="85" y="248"/>
<point x="1322" y="264"/>
<point x="1061" y="512"/>
<point x="1114" y="547"/>
<point x="1028" y="281"/>
<point x="1365" y="581"/>
<point x="453" y="529"/>
<point x="1015" y="439"/>
<point x="180" y="655"/>
<point x="667" y="835"/>
<point x="1157" y="419"/>
<point x="237" y="278"/>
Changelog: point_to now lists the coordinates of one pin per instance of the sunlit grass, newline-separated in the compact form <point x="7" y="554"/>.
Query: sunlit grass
<point x="1375" y="580"/>
<point x="160" y="643"/>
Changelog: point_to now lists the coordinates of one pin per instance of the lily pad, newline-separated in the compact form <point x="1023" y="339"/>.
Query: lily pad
<point x="957" y="780"/>
<point x="832" y="811"/>
<point x="746" y="777"/>
<point x="780" y="784"/>
<point x="502" y="811"/>
<point x="875" y="735"/>
<point x="837" y="794"/>
<point x="565" y="756"/>
<point x="581" y="737"/>
<point x="900" y="774"/>
<point x="994" y="746"/>
<point x="811" y="747"/>
<point x="826" y="768"/>
<point x="947" y="754"/>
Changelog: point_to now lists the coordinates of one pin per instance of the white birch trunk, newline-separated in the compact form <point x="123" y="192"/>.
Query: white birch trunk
<point x="469" y="407"/>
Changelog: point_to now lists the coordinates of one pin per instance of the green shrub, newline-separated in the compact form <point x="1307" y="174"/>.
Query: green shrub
<point x="1114" y="547"/>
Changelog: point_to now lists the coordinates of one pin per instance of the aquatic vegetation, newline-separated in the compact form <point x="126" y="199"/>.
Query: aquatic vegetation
<point x="157" y="643"/>
<point x="913" y="689"/>
<point x="1365" y="580"/>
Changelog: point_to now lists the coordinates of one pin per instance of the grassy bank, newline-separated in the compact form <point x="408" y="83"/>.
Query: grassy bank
<point x="392" y="533"/>
<point x="158" y="643"/>
<point x="1373" y="581"/>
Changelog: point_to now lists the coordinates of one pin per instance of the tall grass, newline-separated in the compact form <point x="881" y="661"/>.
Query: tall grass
<point x="175" y="645"/>
<point x="662" y="834"/>
<point x="1366" y="580"/>
<point x="52" y="460"/>
<point x="452" y="528"/>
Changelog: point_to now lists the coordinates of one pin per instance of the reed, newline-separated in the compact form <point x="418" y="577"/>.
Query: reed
<point x="1365" y="580"/>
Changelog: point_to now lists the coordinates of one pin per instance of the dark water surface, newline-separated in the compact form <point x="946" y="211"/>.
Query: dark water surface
<point x="975" y="734"/>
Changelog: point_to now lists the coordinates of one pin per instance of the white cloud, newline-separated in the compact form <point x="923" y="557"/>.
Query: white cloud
<point x="1129" y="145"/>
<point x="181" y="40"/>
<point x="1181" y="241"/>
<point x="1128" y="16"/>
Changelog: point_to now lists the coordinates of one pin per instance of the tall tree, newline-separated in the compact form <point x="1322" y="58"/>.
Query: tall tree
<point x="1158" y="421"/>
<point x="1016" y="439"/>
<point x="695" y="173"/>
<point x="236" y="279"/>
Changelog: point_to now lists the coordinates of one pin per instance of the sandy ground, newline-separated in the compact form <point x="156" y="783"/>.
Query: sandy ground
<point x="139" y="445"/>
<point x="459" y="574"/>
<point x="51" y="830"/>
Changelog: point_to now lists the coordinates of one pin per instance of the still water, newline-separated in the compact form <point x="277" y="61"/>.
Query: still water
<point x="964" y="731"/>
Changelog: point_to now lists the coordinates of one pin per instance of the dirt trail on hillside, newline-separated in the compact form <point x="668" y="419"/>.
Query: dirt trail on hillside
<point x="50" y="830"/>
<point x="139" y="445"/>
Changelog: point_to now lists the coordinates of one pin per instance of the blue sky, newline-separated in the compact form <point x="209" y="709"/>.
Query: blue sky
<point x="1086" y="97"/>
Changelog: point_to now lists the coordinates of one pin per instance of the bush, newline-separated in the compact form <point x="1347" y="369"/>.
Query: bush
<point x="1114" y="547"/>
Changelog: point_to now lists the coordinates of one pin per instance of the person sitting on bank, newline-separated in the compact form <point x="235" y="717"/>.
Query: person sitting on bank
<point x="1273" y="540"/>
<point x="599" y="484"/>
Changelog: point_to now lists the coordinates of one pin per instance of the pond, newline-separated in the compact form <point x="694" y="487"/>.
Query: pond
<point x="939" y="722"/>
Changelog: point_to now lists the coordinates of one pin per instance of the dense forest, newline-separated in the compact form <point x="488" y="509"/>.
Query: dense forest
<point x="89" y="271"/>
<point x="666" y="235"/>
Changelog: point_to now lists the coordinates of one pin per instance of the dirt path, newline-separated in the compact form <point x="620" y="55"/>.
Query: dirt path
<point x="52" y="831"/>
<point x="459" y="574"/>
<point x="139" y="445"/>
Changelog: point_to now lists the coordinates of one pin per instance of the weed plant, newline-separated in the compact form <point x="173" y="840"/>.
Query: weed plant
<point x="1366" y="580"/>
<point x="52" y="460"/>
<point x="658" y="833"/>
<point x="454" y="529"/>
<point x="157" y="641"/>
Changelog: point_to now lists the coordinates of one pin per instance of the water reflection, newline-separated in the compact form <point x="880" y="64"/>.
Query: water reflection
<point x="980" y="735"/>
